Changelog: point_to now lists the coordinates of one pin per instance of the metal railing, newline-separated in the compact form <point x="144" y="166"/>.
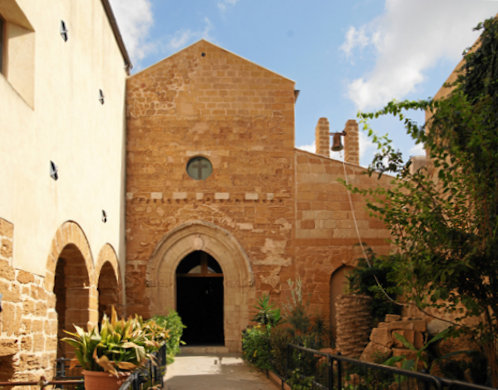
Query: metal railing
<point x="150" y="375"/>
<point x="42" y="383"/>
<point x="311" y="369"/>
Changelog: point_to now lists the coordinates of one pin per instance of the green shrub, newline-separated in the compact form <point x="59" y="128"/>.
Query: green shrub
<point x="173" y="323"/>
<point x="256" y="346"/>
<point x="265" y="344"/>
<point x="280" y="337"/>
<point x="266" y="314"/>
<point x="362" y="280"/>
<point x="305" y="330"/>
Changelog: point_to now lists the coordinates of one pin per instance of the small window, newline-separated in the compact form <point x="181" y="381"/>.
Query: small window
<point x="2" y="23"/>
<point x="199" y="168"/>
<point x="64" y="33"/>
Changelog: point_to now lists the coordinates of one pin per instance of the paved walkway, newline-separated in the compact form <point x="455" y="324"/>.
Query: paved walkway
<point x="217" y="371"/>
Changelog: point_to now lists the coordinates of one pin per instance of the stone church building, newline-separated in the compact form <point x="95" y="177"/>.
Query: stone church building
<point x="176" y="188"/>
<point x="220" y="205"/>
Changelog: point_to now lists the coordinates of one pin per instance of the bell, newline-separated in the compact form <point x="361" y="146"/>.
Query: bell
<point x="337" y="145"/>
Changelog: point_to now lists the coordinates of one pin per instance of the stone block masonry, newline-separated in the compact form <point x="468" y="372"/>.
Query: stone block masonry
<point x="283" y="209"/>
<point x="28" y="322"/>
<point x="384" y="344"/>
<point x="326" y="237"/>
<point x="205" y="101"/>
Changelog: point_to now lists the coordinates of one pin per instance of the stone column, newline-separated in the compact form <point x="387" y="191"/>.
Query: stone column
<point x="322" y="137"/>
<point x="352" y="143"/>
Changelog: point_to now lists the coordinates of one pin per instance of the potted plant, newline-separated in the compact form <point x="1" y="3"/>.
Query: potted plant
<point x="110" y="353"/>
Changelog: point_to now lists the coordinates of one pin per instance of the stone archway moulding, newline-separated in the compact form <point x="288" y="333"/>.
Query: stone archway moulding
<point x="108" y="254"/>
<point x="237" y="272"/>
<point x="68" y="233"/>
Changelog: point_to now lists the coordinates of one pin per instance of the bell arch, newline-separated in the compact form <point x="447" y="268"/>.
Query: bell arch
<point x="221" y="245"/>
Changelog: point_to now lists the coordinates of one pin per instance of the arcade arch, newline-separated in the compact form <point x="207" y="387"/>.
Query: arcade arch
<point x="70" y="278"/>
<point x="109" y="288"/>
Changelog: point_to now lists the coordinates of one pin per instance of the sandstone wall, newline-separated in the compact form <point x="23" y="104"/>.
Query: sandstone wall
<point x="326" y="237"/>
<point x="205" y="101"/>
<point x="28" y="321"/>
<point x="36" y="309"/>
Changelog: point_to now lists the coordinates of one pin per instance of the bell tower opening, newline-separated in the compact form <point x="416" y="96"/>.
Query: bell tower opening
<point x="199" y="299"/>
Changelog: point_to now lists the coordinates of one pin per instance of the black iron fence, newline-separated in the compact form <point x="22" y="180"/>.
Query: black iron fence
<point x="310" y="369"/>
<point x="150" y="375"/>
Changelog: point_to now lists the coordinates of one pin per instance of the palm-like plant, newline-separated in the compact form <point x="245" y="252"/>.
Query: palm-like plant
<point x="120" y="345"/>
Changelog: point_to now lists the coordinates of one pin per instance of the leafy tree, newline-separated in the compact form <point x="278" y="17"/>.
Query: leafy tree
<point x="363" y="280"/>
<point x="443" y="218"/>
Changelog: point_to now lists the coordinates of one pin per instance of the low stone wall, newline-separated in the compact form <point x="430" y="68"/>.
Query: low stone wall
<point x="353" y="324"/>
<point x="383" y="344"/>
<point x="28" y="321"/>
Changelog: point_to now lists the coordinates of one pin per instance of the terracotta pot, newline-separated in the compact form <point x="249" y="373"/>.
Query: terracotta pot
<point x="98" y="380"/>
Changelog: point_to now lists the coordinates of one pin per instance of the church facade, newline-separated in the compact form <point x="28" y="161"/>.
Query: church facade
<point x="220" y="205"/>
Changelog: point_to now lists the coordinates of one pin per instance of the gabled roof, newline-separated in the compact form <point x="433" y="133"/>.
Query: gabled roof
<point x="117" y="35"/>
<point x="205" y="42"/>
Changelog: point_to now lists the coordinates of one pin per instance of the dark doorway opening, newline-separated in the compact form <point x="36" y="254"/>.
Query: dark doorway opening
<point x="199" y="299"/>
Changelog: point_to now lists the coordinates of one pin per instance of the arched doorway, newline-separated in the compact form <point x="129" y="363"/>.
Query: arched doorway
<point x="338" y="284"/>
<point x="199" y="299"/>
<point x="238" y="282"/>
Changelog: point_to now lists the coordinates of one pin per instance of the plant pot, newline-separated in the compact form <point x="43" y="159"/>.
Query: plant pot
<point x="98" y="380"/>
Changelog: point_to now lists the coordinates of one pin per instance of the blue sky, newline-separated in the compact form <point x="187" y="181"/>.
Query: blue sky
<point x="344" y="56"/>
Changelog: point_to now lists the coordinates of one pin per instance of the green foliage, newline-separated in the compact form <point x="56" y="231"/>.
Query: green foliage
<point x="444" y="219"/>
<point x="256" y="346"/>
<point x="422" y="354"/>
<point x="280" y="338"/>
<point x="305" y="330"/>
<point x="266" y="314"/>
<point x="363" y="280"/>
<point x="475" y="366"/>
<point x="265" y="344"/>
<point x="300" y="381"/>
<point x="119" y="345"/>
<point x="173" y="323"/>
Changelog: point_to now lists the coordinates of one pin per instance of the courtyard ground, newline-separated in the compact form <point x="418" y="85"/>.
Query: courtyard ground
<point x="221" y="371"/>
